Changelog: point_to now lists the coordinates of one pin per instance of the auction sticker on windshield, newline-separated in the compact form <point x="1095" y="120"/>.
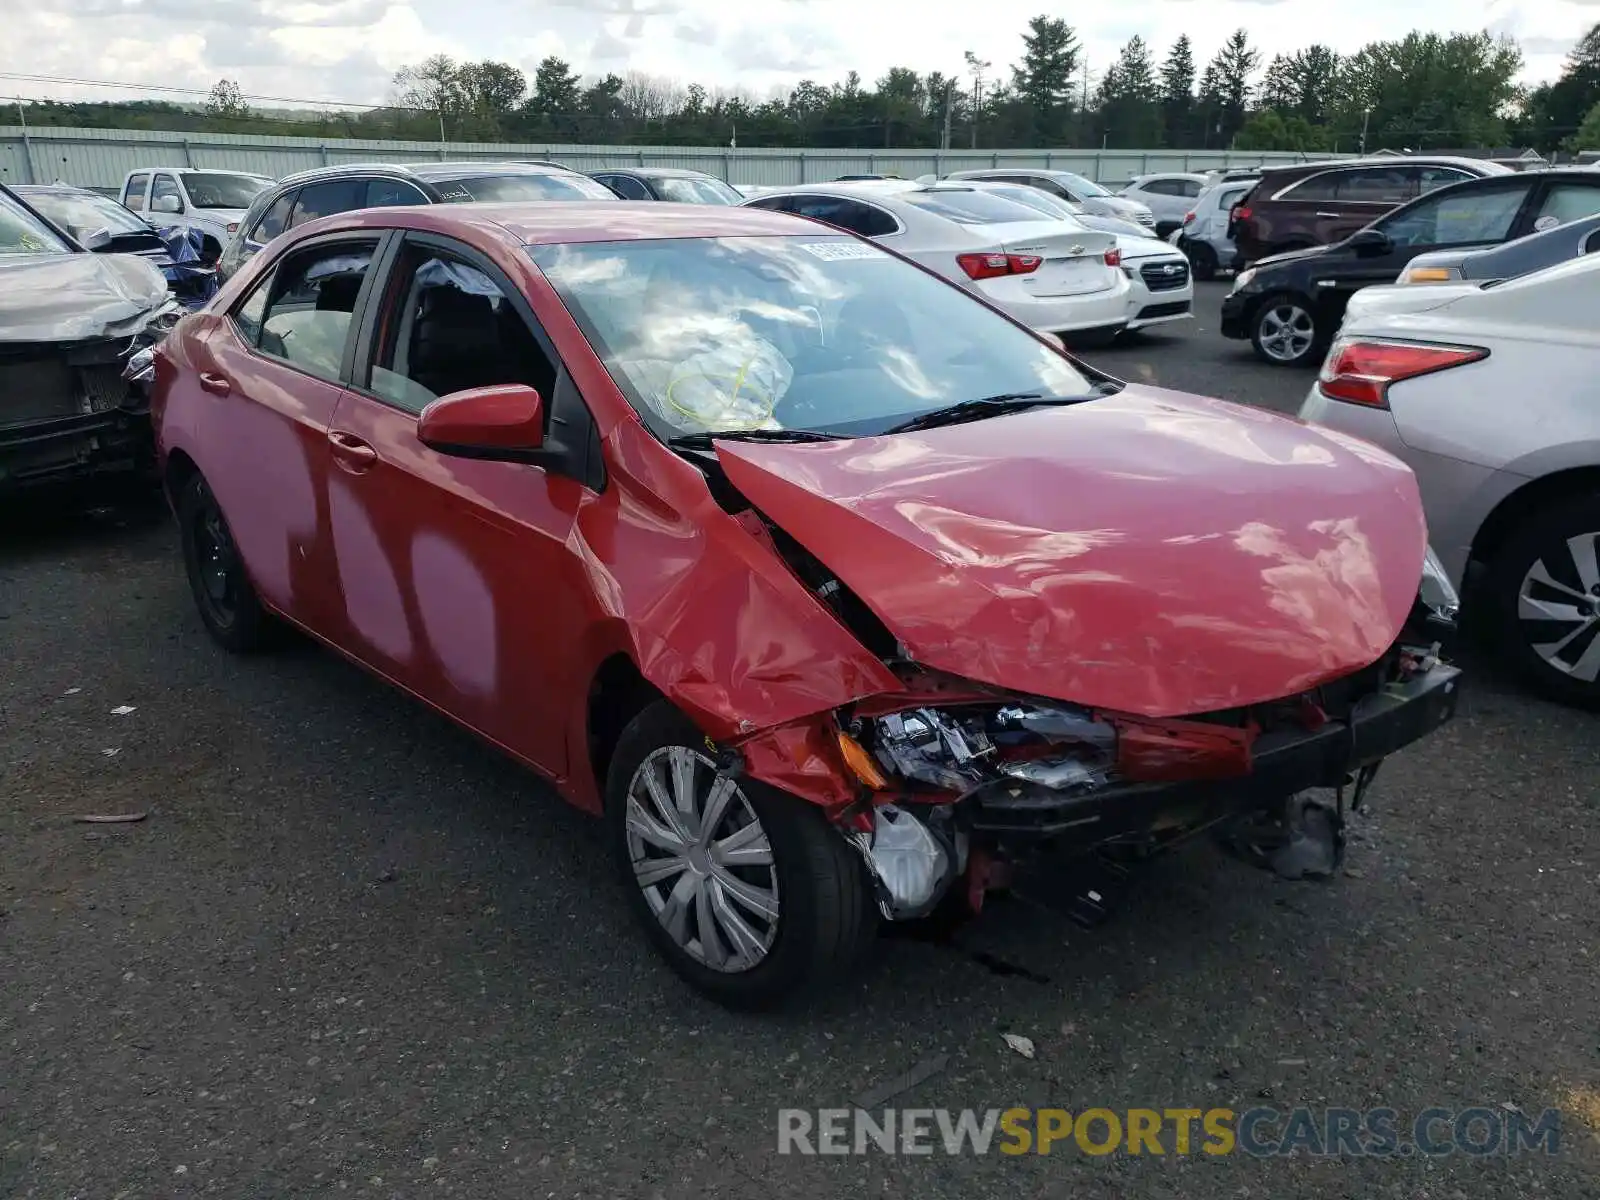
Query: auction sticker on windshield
<point x="834" y="251"/>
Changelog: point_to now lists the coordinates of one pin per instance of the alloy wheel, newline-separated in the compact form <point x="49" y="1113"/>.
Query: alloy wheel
<point x="703" y="860"/>
<point x="1558" y="608"/>
<point x="1286" y="332"/>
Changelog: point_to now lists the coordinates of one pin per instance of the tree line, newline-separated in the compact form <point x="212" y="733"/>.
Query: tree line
<point x="1420" y="92"/>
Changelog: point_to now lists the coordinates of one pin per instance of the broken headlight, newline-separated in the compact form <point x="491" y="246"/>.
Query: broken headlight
<point x="959" y="748"/>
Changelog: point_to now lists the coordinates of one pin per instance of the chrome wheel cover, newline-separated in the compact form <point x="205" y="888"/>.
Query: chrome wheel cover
<point x="1559" y="621"/>
<point x="1286" y="332"/>
<point x="701" y="856"/>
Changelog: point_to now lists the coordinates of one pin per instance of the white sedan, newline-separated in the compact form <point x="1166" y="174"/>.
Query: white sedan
<point x="1162" y="288"/>
<point x="1050" y="275"/>
<point x="1486" y="391"/>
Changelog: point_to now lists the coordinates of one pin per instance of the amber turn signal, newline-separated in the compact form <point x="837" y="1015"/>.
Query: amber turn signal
<point x="859" y="761"/>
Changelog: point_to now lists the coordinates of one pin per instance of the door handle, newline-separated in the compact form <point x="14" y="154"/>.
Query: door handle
<point x="351" y="453"/>
<point x="217" y="385"/>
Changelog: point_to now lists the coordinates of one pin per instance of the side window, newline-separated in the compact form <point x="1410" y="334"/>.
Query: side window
<point x="247" y="317"/>
<point x="274" y="220"/>
<point x="1045" y="184"/>
<point x="165" y="197"/>
<point x="1429" y="178"/>
<point x="1457" y="218"/>
<point x="774" y="203"/>
<point x="845" y="214"/>
<point x="450" y="328"/>
<point x="1565" y="202"/>
<point x="1315" y="189"/>
<point x="137" y="186"/>
<point x="305" y="317"/>
<point x="325" y="199"/>
<point x="1376" y="185"/>
<point x="1160" y="187"/>
<point x="630" y="188"/>
<point x="391" y="193"/>
<point x="1190" y="188"/>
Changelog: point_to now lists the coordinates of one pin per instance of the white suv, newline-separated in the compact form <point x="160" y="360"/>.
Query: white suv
<point x="1203" y="236"/>
<point x="1168" y="195"/>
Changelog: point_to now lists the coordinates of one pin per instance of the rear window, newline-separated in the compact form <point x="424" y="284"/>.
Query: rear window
<point x="696" y="191"/>
<point x="970" y="208"/>
<point x="208" y="190"/>
<point x="522" y="187"/>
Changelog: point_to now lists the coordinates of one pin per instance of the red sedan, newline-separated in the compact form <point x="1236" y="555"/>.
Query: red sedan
<point x="840" y="594"/>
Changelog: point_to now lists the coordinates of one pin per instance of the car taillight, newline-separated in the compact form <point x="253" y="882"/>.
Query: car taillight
<point x="1241" y="213"/>
<point x="993" y="266"/>
<point x="1113" y="257"/>
<point x="233" y="227"/>
<point x="1360" y="371"/>
<point x="1188" y="217"/>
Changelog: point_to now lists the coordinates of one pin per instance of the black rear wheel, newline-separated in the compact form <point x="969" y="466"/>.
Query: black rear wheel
<point x="1202" y="260"/>
<point x="222" y="591"/>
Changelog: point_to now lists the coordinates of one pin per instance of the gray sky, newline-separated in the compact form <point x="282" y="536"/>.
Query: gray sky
<point x="349" y="49"/>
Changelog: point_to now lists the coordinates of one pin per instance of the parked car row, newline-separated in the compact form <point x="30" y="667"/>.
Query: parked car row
<point x="802" y="556"/>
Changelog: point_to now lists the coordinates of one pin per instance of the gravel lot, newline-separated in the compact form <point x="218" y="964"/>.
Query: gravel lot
<point x="350" y="951"/>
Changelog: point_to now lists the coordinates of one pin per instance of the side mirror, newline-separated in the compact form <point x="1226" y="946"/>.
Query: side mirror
<point x="97" y="239"/>
<point x="167" y="204"/>
<point x="1370" y="243"/>
<point x="503" y="423"/>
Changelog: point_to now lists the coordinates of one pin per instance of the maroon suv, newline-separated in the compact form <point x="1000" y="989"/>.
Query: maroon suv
<point x="1319" y="203"/>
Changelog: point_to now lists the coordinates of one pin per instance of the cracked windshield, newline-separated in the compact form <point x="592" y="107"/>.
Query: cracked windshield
<point x="827" y="335"/>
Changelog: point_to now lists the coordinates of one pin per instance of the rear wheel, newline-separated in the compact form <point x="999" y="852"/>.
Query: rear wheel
<point x="1202" y="261"/>
<point x="1544" y="591"/>
<point x="222" y="592"/>
<point x="748" y="892"/>
<point x="1284" y="331"/>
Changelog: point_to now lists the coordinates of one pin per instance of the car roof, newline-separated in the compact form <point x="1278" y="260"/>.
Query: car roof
<point x="534" y="223"/>
<point x="1391" y="160"/>
<point x="1195" y="175"/>
<point x="655" y="172"/>
<point x="199" y="171"/>
<point x="426" y="172"/>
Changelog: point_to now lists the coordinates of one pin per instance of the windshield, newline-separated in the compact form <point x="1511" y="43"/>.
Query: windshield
<point x="696" y="191"/>
<point x="808" y="332"/>
<point x="23" y="233"/>
<point x="1039" y="201"/>
<point x="1079" y="184"/>
<point x="969" y="207"/>
<point x="540" y="186"/>
<point x="80" y="215"/>
<point x="223" y="191"/>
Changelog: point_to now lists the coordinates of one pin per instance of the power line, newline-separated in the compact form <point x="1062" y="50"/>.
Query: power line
<point x="188" y="91"/>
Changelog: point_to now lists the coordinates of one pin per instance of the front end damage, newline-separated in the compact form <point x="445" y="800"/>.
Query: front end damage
<point x="78" y="408"/>
<point x="951" y="789"/>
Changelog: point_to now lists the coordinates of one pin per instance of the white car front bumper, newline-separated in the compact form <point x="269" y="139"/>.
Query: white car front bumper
<point x="1160" y="291"/>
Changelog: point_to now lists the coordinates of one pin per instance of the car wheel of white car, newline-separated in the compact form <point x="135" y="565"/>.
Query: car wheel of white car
<point x="748" y="892"/>
<point x="1546" y="585"/>
<point x="1284" y="331"/>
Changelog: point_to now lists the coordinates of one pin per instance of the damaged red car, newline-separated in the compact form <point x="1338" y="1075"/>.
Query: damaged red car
<point x="840" y="595"/>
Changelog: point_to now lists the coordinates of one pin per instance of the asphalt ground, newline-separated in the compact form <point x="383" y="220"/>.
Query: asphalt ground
<point x="350" y="951"/>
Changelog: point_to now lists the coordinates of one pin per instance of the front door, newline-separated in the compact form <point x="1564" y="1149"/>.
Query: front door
<point x="456" y="574"/>
<point x="272" y="381"/>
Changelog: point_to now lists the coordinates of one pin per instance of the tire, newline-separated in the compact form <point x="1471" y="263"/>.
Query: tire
<point x="1285" y="332"/>
<point x="228" y="604"/>
<point x="1548" y="565"/>
<point x="1202" y="261"/>
<point x="823" y="912"/>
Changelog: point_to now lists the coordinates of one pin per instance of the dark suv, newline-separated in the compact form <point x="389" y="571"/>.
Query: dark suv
<point x="296" y="199"/>
<point x="1316" y="204"/>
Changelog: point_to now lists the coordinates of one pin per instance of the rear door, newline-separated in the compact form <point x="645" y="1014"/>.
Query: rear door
<point x="1361" y="195"/>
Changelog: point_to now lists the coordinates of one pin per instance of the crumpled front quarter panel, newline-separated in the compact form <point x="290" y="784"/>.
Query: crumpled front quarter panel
<point x="718" y="623"/>
<point x="1152" y="553"/>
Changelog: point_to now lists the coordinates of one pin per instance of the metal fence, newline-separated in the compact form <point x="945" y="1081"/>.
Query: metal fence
<point x="101" y="158"/>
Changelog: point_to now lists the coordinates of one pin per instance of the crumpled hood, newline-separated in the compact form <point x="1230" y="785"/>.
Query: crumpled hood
<point x="68" y="297"/>
<point x="1151" y="552"/>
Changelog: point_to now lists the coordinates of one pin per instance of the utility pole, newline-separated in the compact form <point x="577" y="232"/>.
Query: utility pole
<point x="949" y="112"/>
<point x="1365" y="117"/>
<point x="977" y="67"/>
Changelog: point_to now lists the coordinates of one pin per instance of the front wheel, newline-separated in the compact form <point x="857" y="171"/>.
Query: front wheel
<point x="748" y="892"/>
<point x="1544" y="590"/>
<point x="1284" y="331"/>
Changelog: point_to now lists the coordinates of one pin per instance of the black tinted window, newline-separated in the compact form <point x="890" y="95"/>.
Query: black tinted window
<point x="325" y="199"/>
<point x="390" y="193"/>
<point x="275" y="220"/>
<point x="628" y="187"/>
<point x="1377" y="185"/>
<point x="845" y="214"/>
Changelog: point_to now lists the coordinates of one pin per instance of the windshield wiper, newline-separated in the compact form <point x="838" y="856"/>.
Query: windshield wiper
<point x="704" y="441"/>
<point x="994" y="406"/>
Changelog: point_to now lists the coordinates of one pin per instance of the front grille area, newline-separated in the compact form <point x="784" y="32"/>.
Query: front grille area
<point x="48" y="382"/>
<point x="1164" y="276"/>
